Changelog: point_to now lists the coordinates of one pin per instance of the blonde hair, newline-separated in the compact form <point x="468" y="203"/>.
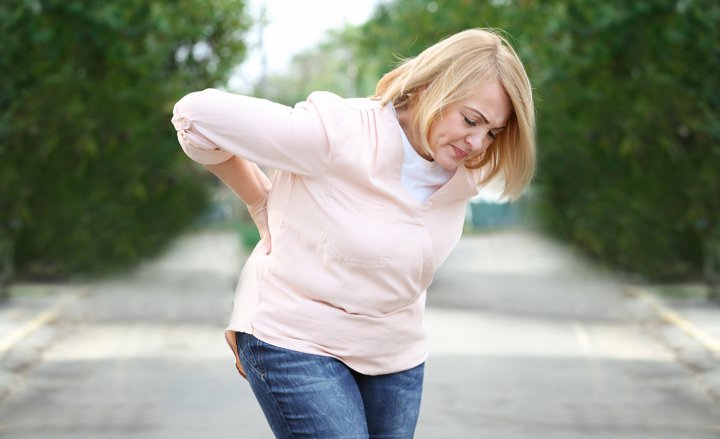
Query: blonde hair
<point x="452" y="70"/>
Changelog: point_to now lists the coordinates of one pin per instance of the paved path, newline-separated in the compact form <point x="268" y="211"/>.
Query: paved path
<point x="526" y="342"/>
<point x="529" y="342"/>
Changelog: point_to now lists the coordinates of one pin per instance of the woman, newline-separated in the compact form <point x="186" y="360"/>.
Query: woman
<point x="367" y="200"/>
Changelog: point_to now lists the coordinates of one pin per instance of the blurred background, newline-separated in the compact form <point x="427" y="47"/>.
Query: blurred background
<point x="92" y="180"/>
<point x="118" y="254"/>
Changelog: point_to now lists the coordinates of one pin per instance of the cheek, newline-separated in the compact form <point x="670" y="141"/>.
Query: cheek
<point x="458" y="133"/>
<point x="489" y="145"/>
<point x="445" y="136"/>
<point x="435" y="139"/>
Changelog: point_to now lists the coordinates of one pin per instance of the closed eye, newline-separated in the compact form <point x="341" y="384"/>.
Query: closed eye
<point x="492" y="135"/>
<point x="469" y="122"/>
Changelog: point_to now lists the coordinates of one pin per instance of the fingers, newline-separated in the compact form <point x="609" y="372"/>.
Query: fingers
<point x="240" y="369"/>
<point x="258" y="212"/>
<point x="267" y="241"/>
<point x="232" y="344"/>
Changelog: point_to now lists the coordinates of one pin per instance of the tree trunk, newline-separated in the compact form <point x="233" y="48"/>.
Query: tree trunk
<point x="711" y="263"/>
<point x="6" y="266"/>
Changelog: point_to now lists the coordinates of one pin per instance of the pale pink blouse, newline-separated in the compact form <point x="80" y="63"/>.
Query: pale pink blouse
<point x="352" y="252"/>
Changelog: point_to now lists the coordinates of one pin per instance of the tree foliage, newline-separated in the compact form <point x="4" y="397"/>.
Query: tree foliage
<point x="628" y="99"/>
<point x="330" y="66"/>
<point x="91" y="176"/>
<point x="631" y="148"/>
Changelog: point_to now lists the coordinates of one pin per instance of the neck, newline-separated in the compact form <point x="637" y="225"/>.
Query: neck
<point x="405" y="117"/>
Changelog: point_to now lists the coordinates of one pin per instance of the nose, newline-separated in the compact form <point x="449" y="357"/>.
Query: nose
<point x="476" y="140"/>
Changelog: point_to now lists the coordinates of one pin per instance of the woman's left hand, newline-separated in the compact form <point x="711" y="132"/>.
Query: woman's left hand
<point x="232" y="343"/>
<point x="258" y="212"/>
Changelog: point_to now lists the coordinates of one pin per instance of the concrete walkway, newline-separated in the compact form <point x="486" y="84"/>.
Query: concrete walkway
<point x="526" y="341"/>
<point x="529" y="341"/>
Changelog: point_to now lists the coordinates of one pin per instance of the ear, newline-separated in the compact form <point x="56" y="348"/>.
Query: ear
<point x="421" y="91"/>
<point x="411" y="97"/>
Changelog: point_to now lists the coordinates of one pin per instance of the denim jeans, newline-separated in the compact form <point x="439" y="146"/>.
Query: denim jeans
<point x="314" y="396"/>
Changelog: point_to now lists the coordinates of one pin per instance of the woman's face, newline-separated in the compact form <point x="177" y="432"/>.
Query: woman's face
<point x="466" y="129"/>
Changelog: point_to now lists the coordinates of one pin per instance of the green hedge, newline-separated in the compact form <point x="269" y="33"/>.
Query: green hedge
<point x="628" y="98"/>
<point x="91" y="175"/>
<point x="630" y="133"/>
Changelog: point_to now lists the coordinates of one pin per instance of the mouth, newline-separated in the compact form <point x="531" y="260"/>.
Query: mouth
<point x="459" y="153"/>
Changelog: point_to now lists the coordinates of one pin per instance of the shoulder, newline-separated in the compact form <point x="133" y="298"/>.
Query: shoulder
<point x="331" y="101"/>
<point x="344" y="117"/>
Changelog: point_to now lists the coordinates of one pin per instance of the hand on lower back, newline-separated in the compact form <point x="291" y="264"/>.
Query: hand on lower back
<point x="258" y="212"/>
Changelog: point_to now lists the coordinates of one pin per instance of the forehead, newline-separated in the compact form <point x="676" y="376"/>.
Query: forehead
<point x="491" y="100"/>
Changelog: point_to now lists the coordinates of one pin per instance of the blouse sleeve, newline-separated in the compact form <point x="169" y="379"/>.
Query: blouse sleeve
<point x="212" y="126"/>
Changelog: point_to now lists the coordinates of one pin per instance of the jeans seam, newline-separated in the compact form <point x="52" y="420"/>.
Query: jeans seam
<point x="263" y="376"/>
<point x="279" y="409"/>
<point x="255" y="347"/>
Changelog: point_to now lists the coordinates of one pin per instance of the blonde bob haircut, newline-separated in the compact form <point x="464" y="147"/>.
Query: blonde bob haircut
<point x="452" y="70"/>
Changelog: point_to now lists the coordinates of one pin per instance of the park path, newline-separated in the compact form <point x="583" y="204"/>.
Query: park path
<point x="526" y="341"/>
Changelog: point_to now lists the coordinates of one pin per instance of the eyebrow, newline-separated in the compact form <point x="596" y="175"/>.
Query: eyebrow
<point x="485" y="119"/>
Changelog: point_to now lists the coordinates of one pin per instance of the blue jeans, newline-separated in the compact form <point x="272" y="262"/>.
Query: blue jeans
<point x="314" y="396"/>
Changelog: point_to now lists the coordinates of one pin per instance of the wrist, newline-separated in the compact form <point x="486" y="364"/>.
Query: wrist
<point x="258" y="199"/>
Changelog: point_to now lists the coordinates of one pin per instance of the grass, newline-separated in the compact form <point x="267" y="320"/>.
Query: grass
<point x="33" y="290"/>
<point x="697" y="291"/>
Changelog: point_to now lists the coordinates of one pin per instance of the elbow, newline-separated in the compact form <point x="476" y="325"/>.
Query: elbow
<point x="193" y="103"/>
<point x="193" y="141"/>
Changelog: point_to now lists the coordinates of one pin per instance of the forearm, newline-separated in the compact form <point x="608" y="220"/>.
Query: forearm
<point x="243" y="177"/>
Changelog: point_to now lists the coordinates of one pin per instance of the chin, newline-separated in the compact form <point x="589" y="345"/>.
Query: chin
<point x="448" y="164"/>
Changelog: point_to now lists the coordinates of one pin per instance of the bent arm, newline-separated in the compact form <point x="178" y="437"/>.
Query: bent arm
<point x="212" y="126"/>
<point x="244" y="178"/>
<point x="252" y="186"/>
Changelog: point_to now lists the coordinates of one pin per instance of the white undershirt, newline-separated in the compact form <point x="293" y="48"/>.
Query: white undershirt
<point x="420" y="177"/>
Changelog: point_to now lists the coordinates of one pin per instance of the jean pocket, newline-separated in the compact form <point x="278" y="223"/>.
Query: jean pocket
<point x="249" y="349"/>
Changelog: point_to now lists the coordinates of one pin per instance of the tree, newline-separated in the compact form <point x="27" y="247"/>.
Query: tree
<point x="331" y="66"/>
<point x="629" y="133"/>
<point x="628" y="100"/>
<point x="91" y="176"/>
